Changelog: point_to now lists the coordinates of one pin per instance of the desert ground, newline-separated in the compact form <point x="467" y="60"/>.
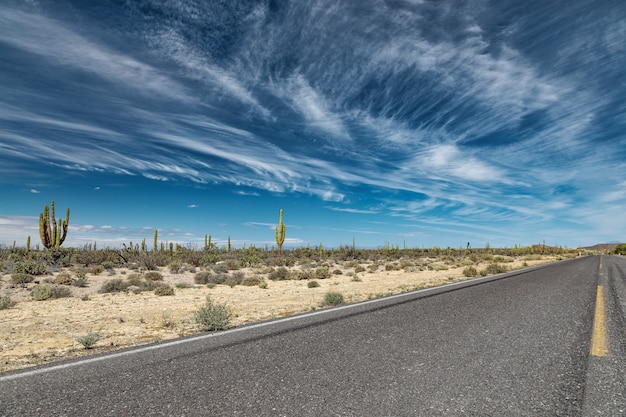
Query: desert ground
<point x="38" y="332"/>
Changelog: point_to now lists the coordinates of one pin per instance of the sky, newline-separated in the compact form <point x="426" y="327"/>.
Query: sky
<point x="380" y="122"/>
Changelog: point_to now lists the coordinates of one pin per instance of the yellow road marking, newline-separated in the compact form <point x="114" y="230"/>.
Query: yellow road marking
<point x="599" y="339"/>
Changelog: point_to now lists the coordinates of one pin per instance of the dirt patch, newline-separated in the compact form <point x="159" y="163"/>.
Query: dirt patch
<point x="36" y="332"/>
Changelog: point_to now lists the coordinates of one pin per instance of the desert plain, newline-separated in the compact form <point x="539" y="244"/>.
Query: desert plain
<point x="38" y="332"/>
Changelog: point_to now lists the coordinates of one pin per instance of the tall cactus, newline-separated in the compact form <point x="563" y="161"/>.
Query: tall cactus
<point x="52" y="234"/>
<point x="280" y="232"/>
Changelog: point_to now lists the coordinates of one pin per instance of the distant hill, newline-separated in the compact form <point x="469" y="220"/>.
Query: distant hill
<point x="606" y="247"/>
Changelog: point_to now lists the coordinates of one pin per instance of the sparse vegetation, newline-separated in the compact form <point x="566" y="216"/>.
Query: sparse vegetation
<point x="21" y="278"/>
<point x="6" y="302"/>
<point x="89" y="340"/>
<point x="164" y="290"/>
<point x="213" y="316"/>
<point x="61" y="271"/>
<point x="332" y="299"/>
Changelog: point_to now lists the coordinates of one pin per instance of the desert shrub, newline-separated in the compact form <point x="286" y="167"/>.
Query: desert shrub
<point x="322" y="272"/>
<point x="134" y="280"/>
<point x="163" y="290"/>
<point x="201" y="277"/>
<point x="217" y="279"/>
<point x="313" y="284"/>
<point x="174" y="267"/>
<point x="96" y="270"/>
<point x="470" y="271"/>
<point x="115" y="285"/>
<point x="153" y="276"/>
<point x="332" y="299"/>
<point x="6" y="302"/>
<point x="30" y="267"/>
<point x="108" y="265"/>
<point x="360" y="268"/>
<point x="494" y="268"/>
<point x="337" y="272"/>
<point x="232" y="264"/>
<point x="252" y="281"/>
<point x="249" y="259"/>
<point x="372" y="267"/>
<point x="503" y="259"/>
<point x="183" y="285"/>
<point x="305" y="274"/>
<point x="280" y="274"/>
<point x="63" y="279"/>
<point x="89" y="340"/>
<point x="213" y="316"/>
<point x="79" y="283"/>
<point x="80" y="272"/>
<point x="21" y="278"/>
<point x="263" y="284"/>
<point x="42" y="292"/>
<point x="219" y="268"/>
<point x="235" y="279"/>
<point x="61" y="292"/>
<point x="392" y="267"/>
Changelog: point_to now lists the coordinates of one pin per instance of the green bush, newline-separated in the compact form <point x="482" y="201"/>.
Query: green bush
<point x="164" y="290"/>
<point x="6" y="302"/>
<point x="89" y="340"/>
<point x="21" y="278"/>
<point x="212" y="316"/>
<point x="313" y="284"/>
<point x="42" y="292"/>
<point x="30" y="267"/>
<point x="332" y="299"/>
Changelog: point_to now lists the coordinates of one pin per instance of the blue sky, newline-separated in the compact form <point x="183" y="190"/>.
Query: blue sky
<point x="425" y="123"/>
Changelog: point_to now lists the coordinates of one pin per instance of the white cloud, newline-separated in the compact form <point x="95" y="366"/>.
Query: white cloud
<point x="446" y="160"/>
<point x="50" y="39"/>
<point x="313" y="106"/>
<point x="33" y="191"/>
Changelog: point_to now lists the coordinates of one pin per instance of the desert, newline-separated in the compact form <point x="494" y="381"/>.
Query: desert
<point x="130" y="298"/>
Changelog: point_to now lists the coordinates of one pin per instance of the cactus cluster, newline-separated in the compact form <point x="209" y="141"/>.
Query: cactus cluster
<point x="52" y="234"/>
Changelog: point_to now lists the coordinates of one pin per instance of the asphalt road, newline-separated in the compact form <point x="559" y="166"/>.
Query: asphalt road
<point x="513" y="345"/>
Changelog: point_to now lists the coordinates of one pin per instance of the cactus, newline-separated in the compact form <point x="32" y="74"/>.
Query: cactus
<point x="52" y="234"/>
<point x="280" y="232"/>
<point x="27" y="245"/>
<point x="156" y="238"/>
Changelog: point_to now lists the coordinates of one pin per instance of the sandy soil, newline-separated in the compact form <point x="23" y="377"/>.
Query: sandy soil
<point x="36" y="332"/>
